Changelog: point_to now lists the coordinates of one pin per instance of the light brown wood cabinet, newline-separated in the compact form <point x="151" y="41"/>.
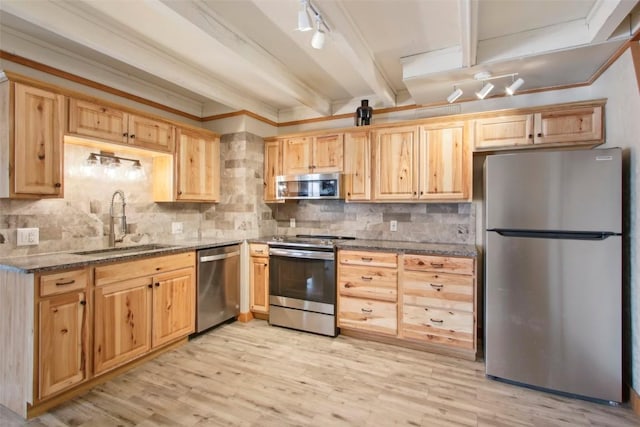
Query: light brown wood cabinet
<point x="313" y="154"/>
<point x="92" y="120"/>
<point x="259" y="278"/>
<point x="579" y="125"/>
<point x="439" y="301"/>
<point x="63" y="316"/>
<point x="194" y="174"/>
<point x="367" y="291"/>
<point x="31" y="141"/>
<point x="272" y="168"/>
<point x="428" y="162"/>
<point x="141" y="305"/>
<point x="357" y="166"/>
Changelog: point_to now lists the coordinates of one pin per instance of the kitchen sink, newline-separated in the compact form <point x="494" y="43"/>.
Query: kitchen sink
<point x="124" y="249"/>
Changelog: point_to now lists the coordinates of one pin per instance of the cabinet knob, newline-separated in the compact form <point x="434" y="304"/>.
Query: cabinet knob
<point x="539" y="135"/>
<point x="83" y="303"/>
<point x="150" y="286"/>
<point x="530" y="135"/>
<point x="179" y="193"/>
<point x="348" y="193"/>
<point x="421" y="193"/>
<point x="57" y="185"/>
<point x="157" y="284"/>
<point x="125" y="134"/>
<point x="133" y="136"/>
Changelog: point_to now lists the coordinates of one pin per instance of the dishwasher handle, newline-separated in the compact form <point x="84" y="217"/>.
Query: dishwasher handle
<point x="219" y="257"/>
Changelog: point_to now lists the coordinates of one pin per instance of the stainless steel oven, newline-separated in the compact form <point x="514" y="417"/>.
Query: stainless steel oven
<point x="302" y="285"/>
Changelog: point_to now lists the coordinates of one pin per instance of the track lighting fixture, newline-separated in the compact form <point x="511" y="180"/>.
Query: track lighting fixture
<point x="457" y="93"/>
<point x="317" y="41"/>
<point x="482" y="93"/>
<point x="510" y="90"/>
<point x="307" y="9"/>
<point x="304" y="24"/>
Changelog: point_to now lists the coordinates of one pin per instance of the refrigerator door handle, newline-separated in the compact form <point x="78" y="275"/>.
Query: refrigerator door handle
<point x="567" y="235"/>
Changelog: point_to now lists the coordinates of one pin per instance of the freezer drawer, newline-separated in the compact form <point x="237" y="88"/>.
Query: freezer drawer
<point x="553" y="314"/>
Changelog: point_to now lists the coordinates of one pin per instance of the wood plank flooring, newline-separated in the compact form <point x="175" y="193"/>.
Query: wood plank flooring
<point x="252" y="374"/>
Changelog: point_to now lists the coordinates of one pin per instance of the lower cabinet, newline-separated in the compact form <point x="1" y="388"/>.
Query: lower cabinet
<point x="174" y="313"/>
<point x="63" y="315"/>
<point x="421" y="300"/>
<point x="259" y="278"/>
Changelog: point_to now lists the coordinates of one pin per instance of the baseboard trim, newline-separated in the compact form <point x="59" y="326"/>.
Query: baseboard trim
<point x="634" y="400"/>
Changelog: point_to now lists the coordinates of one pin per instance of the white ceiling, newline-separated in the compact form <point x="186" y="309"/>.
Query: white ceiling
<point x="214" y="56"/>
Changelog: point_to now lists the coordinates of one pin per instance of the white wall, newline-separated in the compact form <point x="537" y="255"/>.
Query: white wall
<point x="620" y="86"/>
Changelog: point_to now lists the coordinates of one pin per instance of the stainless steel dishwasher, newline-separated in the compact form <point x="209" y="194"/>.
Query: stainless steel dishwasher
<point x="218" y="286"/>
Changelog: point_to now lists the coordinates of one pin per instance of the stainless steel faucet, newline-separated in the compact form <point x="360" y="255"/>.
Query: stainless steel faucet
<point x="112" y="217"/>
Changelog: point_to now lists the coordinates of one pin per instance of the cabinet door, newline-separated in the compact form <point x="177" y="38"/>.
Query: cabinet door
<point x="569" y="125"/>
<point x="151" y="134"/>
<point x="62" y="336"/>
<point x="174" y="314"/>
<point x="259" y="290"/>
<point x="328" y="153"/>
<point x="97" y="121"/>
<point x="296" y="155"/>
<point x="503" y="132"/>
<point x="445" y="162"/>
<point x="38" y="138"/>
<point x="122" y="323"/>
<point x="394" y="173"/>
<point x="198" y="167"/>
<point x="272" y="168"/>
<point x="357" y="164"/>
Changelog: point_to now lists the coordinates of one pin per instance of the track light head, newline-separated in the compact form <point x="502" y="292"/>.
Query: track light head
<point x="317" y="41"/>
<point x="482" y="93"/>
<point x="304" y="24"/>
<point x="457" y="93"/>
<point x="510" y="90"/>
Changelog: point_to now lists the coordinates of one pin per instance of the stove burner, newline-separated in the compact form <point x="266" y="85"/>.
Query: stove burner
<point x="308" y="240"/>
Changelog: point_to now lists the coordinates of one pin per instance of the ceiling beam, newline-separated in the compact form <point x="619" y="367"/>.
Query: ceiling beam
<point x="264" y="65"/>
<point x="77" y="21"/>
<point x="605" y="16"/>
<point x="433" y="62"/>
<point x="351" y="43"/>
<point x="468" y="31"/>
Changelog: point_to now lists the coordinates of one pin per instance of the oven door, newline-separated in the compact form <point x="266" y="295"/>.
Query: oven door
<point x="302" y="279"/>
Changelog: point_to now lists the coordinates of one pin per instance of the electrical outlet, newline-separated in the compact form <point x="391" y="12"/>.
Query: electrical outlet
<point x="393" y="225"/>
<point x="28" y="236"/>
<point x="292" y="222"/>
<point x="176" y="228"/>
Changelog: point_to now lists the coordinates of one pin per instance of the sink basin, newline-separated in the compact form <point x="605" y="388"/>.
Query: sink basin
<point x="124" y="249"/>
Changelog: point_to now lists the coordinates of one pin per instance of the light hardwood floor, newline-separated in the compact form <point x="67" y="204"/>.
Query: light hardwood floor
<point x="252" y="374"/>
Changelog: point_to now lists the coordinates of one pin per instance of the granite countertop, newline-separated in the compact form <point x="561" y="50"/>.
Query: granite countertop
<point x="420" y="248"/>
<point x="71" y="259"/>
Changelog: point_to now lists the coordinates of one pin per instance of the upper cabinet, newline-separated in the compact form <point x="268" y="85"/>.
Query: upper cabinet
<point x="357" y="165"/>
<point x="445" y="162"/>
<point x="196" y="175"/>
<point x="394" y="164"/>
<point x="31" y="141"/>
<point x="576" y="125"/>
<point x="272" y="168"/>
<point x="88" y="119"/>
<point x="312" y="154"/>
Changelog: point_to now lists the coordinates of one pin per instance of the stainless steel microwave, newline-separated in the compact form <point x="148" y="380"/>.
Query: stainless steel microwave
<point x="311" y="186"/>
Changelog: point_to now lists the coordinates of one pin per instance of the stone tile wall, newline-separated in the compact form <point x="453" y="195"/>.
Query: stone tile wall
<point x="433" y="222"/>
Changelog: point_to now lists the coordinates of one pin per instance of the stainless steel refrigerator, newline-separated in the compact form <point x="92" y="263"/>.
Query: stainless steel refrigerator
<point x="553" y="310"/>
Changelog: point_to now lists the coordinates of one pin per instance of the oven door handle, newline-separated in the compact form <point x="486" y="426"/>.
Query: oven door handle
<point x="296" y="253"/>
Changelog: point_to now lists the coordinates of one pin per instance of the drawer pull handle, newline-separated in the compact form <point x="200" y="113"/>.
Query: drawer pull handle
<point x="437" y="265"/>
<point x="367" y="259"/>
<point x="435" y="286"/>
<point x="439" y="321"/>
<point x="259" y="251"/>
<point x="367" y="310"/>
<point x="68" y="282"/>
<point x="366" y="278"/>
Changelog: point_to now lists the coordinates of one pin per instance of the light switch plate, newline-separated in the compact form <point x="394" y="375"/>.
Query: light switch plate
<point x="292" y="222"/>
<point x="176" y="228"/>
<point x="28" y="236"/>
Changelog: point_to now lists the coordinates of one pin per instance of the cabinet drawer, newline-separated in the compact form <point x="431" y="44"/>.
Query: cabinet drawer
<point x="259" y="249"/>
<point x="440" y="290"/>
<point x="368" y="315"/>
<point x="368" y="282"/>
<point x="439" y="263"/>
<point x="145" y="267"/>
<point x="378" y="259"/>
<point x="449" y="327"/>
<point x="59" y="283"/>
